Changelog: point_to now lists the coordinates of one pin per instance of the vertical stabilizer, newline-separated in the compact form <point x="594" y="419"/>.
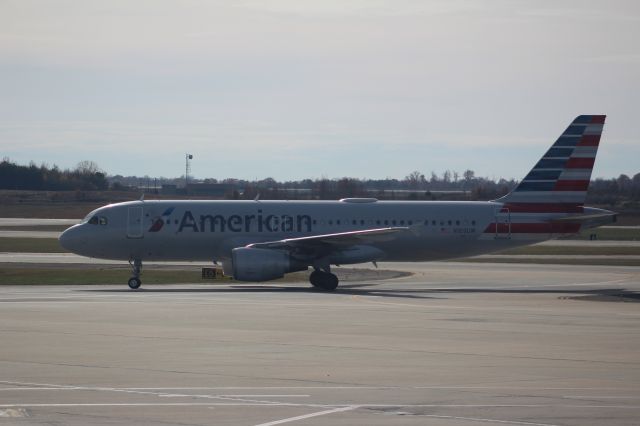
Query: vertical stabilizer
<point x="558" y="182"/>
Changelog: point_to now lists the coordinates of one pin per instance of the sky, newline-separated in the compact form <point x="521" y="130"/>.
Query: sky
<point x="294" y="89"/>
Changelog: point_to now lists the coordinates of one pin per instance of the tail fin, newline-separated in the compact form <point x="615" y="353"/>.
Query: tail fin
<point x="559" y="181"/>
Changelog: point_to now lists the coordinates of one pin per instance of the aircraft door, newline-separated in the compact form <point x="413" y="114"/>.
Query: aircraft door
<point x="503" y="223"/>
<point x="134" y="222"/>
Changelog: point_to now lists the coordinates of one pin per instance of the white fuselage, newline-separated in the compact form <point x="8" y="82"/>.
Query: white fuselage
<point x="209" y="230"/>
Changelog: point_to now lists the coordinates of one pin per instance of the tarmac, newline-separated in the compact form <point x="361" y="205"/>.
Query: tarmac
<point x="453" y="344"/>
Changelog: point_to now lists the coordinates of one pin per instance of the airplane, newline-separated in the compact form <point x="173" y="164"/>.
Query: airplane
<point x="257" y="240"/>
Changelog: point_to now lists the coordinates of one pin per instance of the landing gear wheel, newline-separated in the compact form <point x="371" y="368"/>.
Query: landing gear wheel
<point x="134" y="283"/>
<point x="323" y="280"/>
<point x="136" y="269"/>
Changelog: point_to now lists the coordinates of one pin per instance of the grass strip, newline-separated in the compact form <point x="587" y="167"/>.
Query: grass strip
<point x="30" y="245"/>
<point x="614" y="261"/>
<point x="19" y="276"/>
<point x="573" y="251"/>
<point x="611" y="234"/>
<point x="47" y="228"/>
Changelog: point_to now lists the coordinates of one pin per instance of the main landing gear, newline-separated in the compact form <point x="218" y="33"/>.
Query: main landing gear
<point x="323" y="280"/>
<point x="136" y="268"/>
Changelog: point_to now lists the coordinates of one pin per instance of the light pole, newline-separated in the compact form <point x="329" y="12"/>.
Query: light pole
<point x="187" y="169"/>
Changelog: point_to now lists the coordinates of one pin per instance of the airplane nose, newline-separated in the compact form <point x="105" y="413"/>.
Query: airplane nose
<point x="72" y="239"/>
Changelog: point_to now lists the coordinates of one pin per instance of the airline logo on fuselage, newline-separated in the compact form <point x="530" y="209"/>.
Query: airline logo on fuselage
<point x="258" y="222"/>
<point x="158" y="222"/>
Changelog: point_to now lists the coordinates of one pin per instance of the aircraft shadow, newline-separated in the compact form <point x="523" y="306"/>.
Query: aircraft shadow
<point x="605" y="294"/>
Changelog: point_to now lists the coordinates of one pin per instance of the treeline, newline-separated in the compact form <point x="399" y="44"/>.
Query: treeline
<point x="415" y="186"/>
<point x="86" y="176"/>
<point x="615" y="191"/>
<point x="449" y="185"/>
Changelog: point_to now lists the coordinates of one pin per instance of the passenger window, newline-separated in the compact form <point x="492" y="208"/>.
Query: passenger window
<point x="386" y="222"/>
<point x="93" y="220"/>
<point x="449" y="222"/>
<point x="457" y="222"/>
<point x="433" y="222"/>
<point x="377" y="222"/>
<point x="402" y="222"/>
<point x="353" y="222"/>
<point x="102" y="220"/>
<point x="473" y="222"/>
<point x="410" y="222"/>
<point x="361" y="222"/>
<point x="426" y="222"/>
<point x="338" y="222"/>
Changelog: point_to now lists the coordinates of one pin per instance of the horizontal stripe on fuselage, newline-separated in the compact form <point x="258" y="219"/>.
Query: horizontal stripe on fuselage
<point x="576" y="140"/>
<point x="542" y="208"/>
<point x="575" y="174"/>
<point x="584" y="152"/>
<point x="571" y="185"/>
<point x="580" y="163"/>
<point x="589" y="140"/>
<point x="536" y="185"/>
<point x="533" y="228"/>
<point x="543" y="175"/>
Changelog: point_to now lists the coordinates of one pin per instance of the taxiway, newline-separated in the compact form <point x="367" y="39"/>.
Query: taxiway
<point x="454" y="344"/>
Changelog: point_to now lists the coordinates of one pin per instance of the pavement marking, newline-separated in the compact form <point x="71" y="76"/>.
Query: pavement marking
<point x="478" y="419"/>
<point x="146" y="404"/>
<point x="148" y="392"/>
<point x="288" y="404"/>
<point x="48" y="386"/>
<point x="599" y="397"/>
<point x="307" y="416"/>
<point x="264" y="396"/>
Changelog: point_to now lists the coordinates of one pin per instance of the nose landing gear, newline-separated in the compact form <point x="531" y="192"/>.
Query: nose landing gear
<point x="136" y="268"/>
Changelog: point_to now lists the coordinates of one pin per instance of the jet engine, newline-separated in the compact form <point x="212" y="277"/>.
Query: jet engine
<point x="255" y="264"/>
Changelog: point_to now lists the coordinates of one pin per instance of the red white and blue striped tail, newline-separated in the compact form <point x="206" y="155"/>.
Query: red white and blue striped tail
<point x="558" y="182"/>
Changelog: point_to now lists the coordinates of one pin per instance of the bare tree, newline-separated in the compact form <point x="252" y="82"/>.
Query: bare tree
<point x="88" y="167"/>
<point x="414" y="179"/>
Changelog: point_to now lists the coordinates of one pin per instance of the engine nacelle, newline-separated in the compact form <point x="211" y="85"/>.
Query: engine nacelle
<point x="255" y="264"/>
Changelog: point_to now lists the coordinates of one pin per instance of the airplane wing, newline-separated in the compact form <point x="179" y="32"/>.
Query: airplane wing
<point x="328" y="242"/>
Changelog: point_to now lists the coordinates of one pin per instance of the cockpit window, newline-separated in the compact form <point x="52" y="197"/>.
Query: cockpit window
<point x="97" y="220"/>
<point x="89" y="216"/>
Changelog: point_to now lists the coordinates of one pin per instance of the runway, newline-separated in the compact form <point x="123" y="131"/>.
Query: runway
<point x="454" y="344"/>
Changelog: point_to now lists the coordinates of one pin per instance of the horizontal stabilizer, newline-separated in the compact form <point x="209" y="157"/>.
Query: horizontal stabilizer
<point x="590" y="218"/>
